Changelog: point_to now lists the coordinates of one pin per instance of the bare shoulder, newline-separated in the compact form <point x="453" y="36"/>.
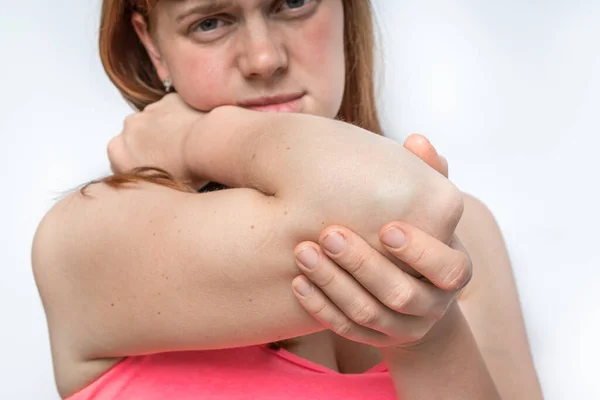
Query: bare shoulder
<point x="478" y="229"/>
<point x="74" y="227"/>
<point x="480" y="233"/>
<point x="72" y="224"/>
<point x="63" y="227"/>
<point x="61" y="234"/>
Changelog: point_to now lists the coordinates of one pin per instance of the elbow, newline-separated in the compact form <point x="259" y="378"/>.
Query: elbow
<point x="451" y="209"/>
<point x="431" y="203"/>
<point x="441" y="206"/>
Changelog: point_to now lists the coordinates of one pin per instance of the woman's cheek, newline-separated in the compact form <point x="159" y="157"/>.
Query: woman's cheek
<point x="202" y="85"/>
<point x="322" y="52"/>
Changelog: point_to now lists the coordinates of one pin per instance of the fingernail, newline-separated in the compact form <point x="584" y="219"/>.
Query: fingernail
<point x="308" y="257"/>
<point x="334" y="243"/>
<point x="394" y="238"/>
<point x="302" y="287"/>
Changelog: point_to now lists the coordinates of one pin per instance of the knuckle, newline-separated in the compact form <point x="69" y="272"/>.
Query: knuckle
<point x="359" y="262"/>
<point x="439" y="309"/>
<point x="419" y="257"/>
<point x="365" y="314"/>
<point x="130" y="119"/>
<point x="400" y="297"/>
<point x="325" y="281"/>
<point x="130" y="124"/>
<point x="458" y="275"/>
<point x="319" y="308"/>
<point x="343" y="327"/>
<point x="113" y="145"/>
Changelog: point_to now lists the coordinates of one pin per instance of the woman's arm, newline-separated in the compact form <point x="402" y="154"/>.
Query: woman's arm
<point x="490" y="304"/>
<point x="324" y="163"/>
<point x="487" y="332"/>
<point x="148" y="269"/>
<point x="428" y="368"/>
<point x="448" y="367"/>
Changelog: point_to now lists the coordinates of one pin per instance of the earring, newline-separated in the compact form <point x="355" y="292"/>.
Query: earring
<point x="168" y="84"/>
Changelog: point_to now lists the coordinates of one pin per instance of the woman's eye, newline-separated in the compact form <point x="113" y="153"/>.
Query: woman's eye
<point x="294" y="4"/>
<point x="208" y="25"/>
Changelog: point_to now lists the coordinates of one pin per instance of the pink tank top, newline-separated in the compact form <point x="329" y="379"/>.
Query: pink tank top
<point x="254" y="372"/>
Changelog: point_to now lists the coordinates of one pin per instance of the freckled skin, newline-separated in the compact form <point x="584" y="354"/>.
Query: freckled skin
<point x="223" y="67"/>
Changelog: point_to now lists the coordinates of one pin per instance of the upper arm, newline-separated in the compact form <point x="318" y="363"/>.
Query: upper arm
<point x="148" y="269"/>
<point x="491" y="304"/>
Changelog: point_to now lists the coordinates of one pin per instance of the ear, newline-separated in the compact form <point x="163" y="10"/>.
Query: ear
<point x="141" y="29"/>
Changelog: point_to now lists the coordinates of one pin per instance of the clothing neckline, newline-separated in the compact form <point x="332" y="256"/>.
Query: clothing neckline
<point x="303" y="362"/>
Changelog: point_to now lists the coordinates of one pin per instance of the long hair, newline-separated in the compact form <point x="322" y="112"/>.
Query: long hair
<point x="128" y="66"/>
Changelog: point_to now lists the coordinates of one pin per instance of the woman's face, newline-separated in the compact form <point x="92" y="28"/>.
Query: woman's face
<point x="287" y="55"/>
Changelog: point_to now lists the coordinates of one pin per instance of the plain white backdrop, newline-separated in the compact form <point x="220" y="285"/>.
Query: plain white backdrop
<point x="509" y="91"/>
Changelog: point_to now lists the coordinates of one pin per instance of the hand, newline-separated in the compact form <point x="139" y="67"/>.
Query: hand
<point x="422" y="148"/>
<point x="156" y="137"/>
<point x="362" y="296"/>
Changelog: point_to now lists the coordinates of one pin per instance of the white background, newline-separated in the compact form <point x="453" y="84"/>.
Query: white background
<point x="508" y="90"/>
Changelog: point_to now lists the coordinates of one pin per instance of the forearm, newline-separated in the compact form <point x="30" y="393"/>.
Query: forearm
<point x="329" y="169"/>
<point x="447" y="367"/>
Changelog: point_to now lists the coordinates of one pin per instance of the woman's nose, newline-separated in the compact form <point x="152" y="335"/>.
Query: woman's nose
<point x="263" y="55"/>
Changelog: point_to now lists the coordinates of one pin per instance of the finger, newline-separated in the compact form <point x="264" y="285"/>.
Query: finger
<point x="447" y="268"/>
<point x="352" y="299"/>
<point x="420" y="146"/>
<point x="323" y="310"/>
<point x="130" y="120"/>
<point x="397" y="290"/>
<point x="456" y="244"/>
<point x="115" y="150"/>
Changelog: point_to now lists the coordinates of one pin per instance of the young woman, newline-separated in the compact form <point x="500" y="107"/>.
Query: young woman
<point x="326" y="232"/>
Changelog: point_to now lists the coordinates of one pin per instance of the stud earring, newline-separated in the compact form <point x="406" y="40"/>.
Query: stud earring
<point x="168" y="84"/>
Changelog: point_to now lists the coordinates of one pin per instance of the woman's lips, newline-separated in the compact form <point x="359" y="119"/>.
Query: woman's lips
<point x="286" y="103"/>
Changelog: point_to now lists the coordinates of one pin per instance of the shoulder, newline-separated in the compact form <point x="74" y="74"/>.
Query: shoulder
<point x="481" y="236"/>
<point x="79" y="225"/>
<point x="474" y="208"/>
<point x="80" y="213"/>
<point x="75" y="229"/>
<point x="71" y="233"/>
<point x="58" y="231"/>
<point x="64" y="228"/>
<point x="478" y="226"/>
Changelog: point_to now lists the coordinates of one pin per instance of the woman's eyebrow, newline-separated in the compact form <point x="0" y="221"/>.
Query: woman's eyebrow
<point x="205" y="7"/>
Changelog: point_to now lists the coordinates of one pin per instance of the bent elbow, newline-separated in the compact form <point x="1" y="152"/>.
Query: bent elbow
<point x="432" y="203"/>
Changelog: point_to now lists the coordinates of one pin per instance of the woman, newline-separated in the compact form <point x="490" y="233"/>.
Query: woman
<point x="162" y="293"/>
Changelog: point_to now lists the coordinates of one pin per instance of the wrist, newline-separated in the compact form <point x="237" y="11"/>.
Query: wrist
<point x="220" y="145"/>
<point x="192" y="156"/>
